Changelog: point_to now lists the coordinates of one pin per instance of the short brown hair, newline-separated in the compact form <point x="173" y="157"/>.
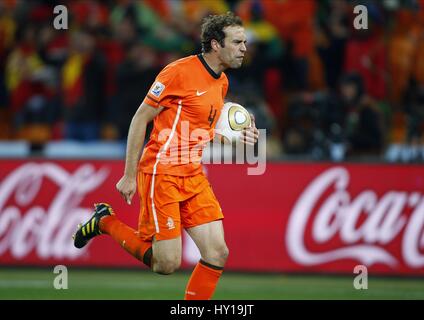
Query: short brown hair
<point x="213" y="28"/>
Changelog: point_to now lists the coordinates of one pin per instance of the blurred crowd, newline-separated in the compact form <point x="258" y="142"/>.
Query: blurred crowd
<point x="321" y="88"/>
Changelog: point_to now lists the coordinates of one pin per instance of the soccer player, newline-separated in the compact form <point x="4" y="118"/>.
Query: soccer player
<point x="184" y="102"/>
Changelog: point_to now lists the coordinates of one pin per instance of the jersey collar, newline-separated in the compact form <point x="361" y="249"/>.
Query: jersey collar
<point x="209" y="69"/>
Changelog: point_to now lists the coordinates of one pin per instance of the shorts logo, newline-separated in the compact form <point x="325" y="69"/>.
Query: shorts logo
<point x="157" y="89"/>
<point x="170" y="223"/>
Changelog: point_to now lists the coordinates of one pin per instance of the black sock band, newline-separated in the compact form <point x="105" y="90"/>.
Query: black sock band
<point x="210" y="265"/>
<point x="147" y="257"/>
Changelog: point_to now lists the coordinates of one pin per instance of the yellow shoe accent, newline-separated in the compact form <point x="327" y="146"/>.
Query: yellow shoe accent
<point x="92" y="224"/>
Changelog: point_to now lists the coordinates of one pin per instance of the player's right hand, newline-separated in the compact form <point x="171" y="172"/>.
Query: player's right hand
<point x="127" y="187"/>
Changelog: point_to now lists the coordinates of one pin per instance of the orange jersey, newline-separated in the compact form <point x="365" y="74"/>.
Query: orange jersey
<point x="192" y="95"/>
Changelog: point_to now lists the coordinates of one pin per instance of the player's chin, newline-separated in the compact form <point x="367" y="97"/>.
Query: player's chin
<point x="237" y="64"/>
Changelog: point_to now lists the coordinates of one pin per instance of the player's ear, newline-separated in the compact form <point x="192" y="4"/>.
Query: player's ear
<point x="215" y="45"/>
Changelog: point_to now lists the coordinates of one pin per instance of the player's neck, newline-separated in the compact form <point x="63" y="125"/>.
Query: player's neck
<point x="213" y="62"/>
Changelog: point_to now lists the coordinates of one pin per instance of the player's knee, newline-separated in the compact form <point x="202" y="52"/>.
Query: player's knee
<point x="218" y="255"/>
<point x="224" y="253"/>
<point x="166" y="265"/>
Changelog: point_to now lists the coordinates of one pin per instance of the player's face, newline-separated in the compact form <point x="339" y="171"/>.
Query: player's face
<point x="235" y="47"/>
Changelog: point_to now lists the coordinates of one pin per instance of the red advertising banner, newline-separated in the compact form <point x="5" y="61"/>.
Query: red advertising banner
<point x="293" y="218"/>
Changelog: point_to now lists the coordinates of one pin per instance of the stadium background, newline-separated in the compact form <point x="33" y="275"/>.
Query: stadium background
<point x="343" y="110"/>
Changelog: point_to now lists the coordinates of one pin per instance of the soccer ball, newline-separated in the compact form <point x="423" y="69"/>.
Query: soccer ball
<point x="233" y="119"/>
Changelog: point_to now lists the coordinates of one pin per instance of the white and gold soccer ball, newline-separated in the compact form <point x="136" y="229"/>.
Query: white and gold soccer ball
<point x="233" y="119"/>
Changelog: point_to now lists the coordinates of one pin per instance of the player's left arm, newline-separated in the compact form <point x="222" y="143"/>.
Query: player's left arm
<point x="250" y="135"/>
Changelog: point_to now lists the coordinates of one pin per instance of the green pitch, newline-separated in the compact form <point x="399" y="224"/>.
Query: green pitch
<point x="135" y="284"/>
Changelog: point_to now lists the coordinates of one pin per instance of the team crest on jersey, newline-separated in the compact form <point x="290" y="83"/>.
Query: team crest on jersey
<point x="170" y="223"/>
<point x="157" y="89"/>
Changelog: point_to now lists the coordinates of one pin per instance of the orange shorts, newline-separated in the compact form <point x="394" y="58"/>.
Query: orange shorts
<point x="169" y="203"/>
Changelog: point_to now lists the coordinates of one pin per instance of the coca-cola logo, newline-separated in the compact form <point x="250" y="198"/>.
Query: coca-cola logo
<point x="339" y="214"/>
<point x="47" y="230"/>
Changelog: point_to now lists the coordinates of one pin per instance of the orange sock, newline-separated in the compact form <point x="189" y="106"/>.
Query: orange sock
<point x="203" y="281"/>
<point x="127" y="238"/>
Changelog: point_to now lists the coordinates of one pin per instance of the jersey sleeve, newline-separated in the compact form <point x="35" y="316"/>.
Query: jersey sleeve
<point x="225" y="87"/>
<point x="166" y="89"/>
